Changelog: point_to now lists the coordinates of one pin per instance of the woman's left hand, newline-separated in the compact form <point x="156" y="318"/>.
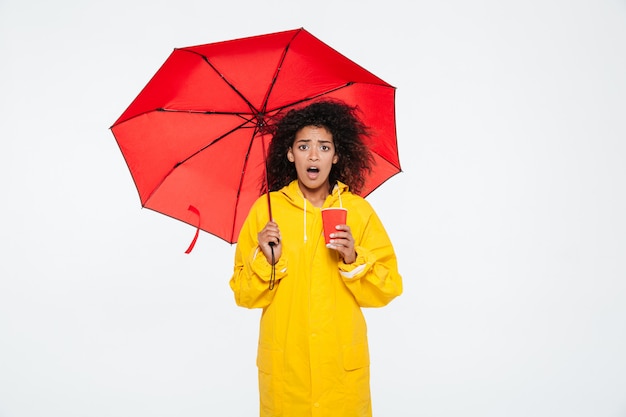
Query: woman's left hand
<point x="342" y="241"/>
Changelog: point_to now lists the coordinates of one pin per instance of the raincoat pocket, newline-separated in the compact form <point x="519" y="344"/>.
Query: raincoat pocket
<point x="265" y="360"/>
<point x="269" y="363"/>
<point x="356" y="356"/>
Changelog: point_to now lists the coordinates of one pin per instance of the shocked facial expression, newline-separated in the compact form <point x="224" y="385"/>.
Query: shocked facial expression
<point x="313" y="153"/>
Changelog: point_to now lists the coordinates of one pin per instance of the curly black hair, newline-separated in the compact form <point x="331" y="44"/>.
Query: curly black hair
<point x="348" y="131"/>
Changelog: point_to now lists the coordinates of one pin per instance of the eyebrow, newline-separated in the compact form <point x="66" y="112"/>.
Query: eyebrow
<point x="311" y="140"/>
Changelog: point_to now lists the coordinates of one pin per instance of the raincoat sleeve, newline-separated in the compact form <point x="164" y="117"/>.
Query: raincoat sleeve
<point x="250" y="281"/>
<point x="373" y="278"/>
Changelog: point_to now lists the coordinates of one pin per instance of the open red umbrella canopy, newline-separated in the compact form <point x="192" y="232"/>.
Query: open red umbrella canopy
<point x="195" y="137"/>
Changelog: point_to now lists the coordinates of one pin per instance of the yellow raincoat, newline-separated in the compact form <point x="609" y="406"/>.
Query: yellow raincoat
<point x="313" y="357"/>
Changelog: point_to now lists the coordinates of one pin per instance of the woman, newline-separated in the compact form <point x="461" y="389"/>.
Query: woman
<point x="313" y="357"/>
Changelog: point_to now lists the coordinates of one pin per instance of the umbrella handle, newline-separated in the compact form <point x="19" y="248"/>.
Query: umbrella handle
<point x="269" y="205"/>
<point x="267" y="185"/>
<point x="269" y="208"/>
<point x="269" y="211"/>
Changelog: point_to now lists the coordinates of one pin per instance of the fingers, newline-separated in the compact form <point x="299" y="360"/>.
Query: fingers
<point x="343" y="236"/>
<point x="270" y="235"/>
<point x="269" y="242"/>
<point x="343" y="242"/>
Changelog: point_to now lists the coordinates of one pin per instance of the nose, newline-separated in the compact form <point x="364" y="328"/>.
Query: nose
<point x="313" y="155"/>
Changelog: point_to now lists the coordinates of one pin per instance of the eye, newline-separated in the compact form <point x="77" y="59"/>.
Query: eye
<point x="325" y="148"/>
<point x="303" y="147"/>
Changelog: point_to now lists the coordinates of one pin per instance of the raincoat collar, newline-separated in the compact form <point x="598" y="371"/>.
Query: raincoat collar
<point x="293" y="193"/>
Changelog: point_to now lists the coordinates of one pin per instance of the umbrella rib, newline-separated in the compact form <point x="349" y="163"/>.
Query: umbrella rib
<point x="316" y="96"/>
<point x="210" y="112"/>
<point x="214" y="141"/>
<point x="241" y="177"/>
<point x="177" y="164"/>
<point x="223" y="77"/>
<point x="162" y="109"/>
<point x="277" y="72"/>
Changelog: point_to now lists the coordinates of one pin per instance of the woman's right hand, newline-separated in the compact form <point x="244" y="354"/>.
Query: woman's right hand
<point x="268" y="237"/>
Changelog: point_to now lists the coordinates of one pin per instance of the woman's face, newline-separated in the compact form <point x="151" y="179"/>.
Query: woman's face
<point x="313" y="153"/>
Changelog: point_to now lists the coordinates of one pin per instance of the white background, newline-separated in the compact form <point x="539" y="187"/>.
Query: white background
<point x="508" y="220"/>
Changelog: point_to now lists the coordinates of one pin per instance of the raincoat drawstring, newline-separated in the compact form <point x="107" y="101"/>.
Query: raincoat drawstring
<point x="305" y="236"/>
<point x="339" y="194"/>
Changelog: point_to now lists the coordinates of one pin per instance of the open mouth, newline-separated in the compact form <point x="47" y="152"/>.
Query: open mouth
<point x="313" y="173"/>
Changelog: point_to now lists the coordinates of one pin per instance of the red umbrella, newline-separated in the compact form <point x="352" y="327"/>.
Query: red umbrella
<point x="195" y="137"/>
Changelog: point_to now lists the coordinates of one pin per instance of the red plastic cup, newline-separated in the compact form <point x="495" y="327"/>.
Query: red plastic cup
<point x="332" y="216"/>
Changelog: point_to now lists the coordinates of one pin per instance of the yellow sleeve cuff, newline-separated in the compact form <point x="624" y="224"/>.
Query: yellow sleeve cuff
<point x="263" y="269"/>
<point x="364" y="260"/>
